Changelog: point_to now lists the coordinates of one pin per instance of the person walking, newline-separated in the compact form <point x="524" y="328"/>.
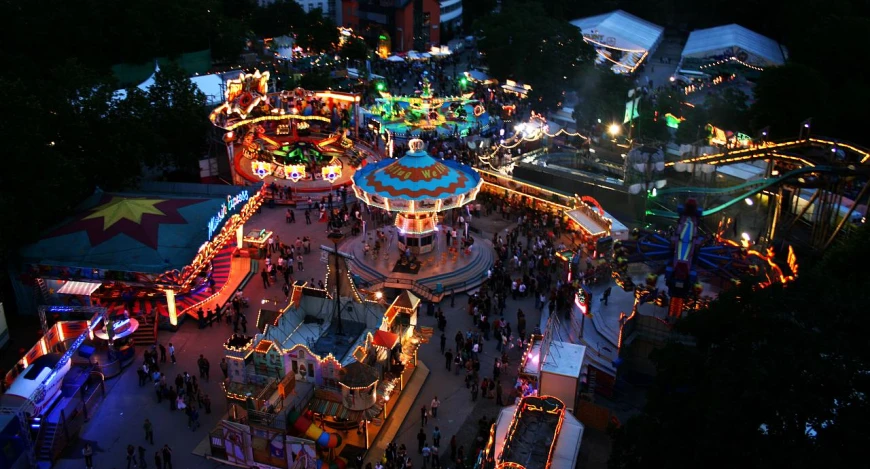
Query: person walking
<point x="149" y="431"/>
<point x="265" y="276"/>
<point x="167" y="457"/>
<point x="436" y="437"/>
<point x="421" y="440"/>
<point x="606" y="296"/>
<point x="443" y="342"/>
<point x="224" y="367"/>
<point x="424" y="415"/>
<point x="162" y="353"/>
<point x="203" y="365"/>
<point x="172" y="353"/>
<point x="299" y="264"/>
<point x="142" y="464"/>
<point x="308" y="216"/>
<point x="131" y="457"/>
<point x="448" y="359"/>
<point x="158" y="461"/>
<point x="434" y="405"/>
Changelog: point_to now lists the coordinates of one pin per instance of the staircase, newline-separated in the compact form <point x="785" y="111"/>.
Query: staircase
<point x="46" y="444"/>
<point x="146" y="334"/>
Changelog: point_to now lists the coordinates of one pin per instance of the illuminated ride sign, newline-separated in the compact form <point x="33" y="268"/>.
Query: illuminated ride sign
<point x="227" y="207"/>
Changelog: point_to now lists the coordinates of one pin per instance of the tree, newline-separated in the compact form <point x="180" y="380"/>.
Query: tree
<point x="316" y="32"/>
<point x="728" y="109"/>
<point x="354" y="48"/>
<point x="277" y="18"/>
<point x="650" y="127"/>
<point x="525" y="44"/>
<point x="777" y="378"/>
<point x="785" y="96"/>
<point x="475" y="11"/>
<point x="602" y="96"/>
<point x="691" y="129"/>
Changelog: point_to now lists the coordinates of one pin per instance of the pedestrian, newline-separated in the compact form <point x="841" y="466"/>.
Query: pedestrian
<point x="131" y="457"/>
<point x="172" y="353"/>
<point x="424" y="415"/>
<point x="426" y="453"/>
<point x="435" y="404"/>
<point x="142" y="463"/>
<point x="88" y="453"/>
<point x="158" y="461"/>
<point x="206" y="402"/>
<point x="448" y="358"/>
<point x="149" y="431"/>
<point x="265" y="276"/>
<point x="606" y="296"/>
<point x="436" y="437"/>
<point x="167" y="457"/>
<point x="224" y="367"/>
<point x="162" y="353"/>
<point x="299" y="263"/>
<point x="443" y="342"/>
<point x="203" y="365"/>
<point x="244" y="324"/>
<point x="421" y="440"/>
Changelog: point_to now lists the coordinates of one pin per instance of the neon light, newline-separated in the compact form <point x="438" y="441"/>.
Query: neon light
<point x="230" y="205"/>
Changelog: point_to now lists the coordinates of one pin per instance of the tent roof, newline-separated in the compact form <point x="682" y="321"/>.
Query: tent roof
<point x="628" y="31"/>
<point x="211" y="85"/>
<point x="711" y="41"/>
<point x="385" y="339"/>
<point x="79" y="288"/>
<point x="150" y="232"/>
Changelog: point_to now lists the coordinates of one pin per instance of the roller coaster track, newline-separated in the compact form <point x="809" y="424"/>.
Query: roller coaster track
<point x="751" y="188"/>
<point x="773" y="149"/>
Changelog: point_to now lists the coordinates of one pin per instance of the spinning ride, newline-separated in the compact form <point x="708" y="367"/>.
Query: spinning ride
<point x="418" y="187"/>
<point x="684" y="253"/>
<point x="425" y="112"/>
<point x="298" y="135"/>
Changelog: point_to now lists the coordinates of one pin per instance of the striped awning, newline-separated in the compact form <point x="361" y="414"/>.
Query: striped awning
<point x="79" y="288"/>
<point x="334" y="409"/>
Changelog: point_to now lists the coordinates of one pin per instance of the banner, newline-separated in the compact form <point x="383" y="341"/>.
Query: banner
<point x="631" y="110"/>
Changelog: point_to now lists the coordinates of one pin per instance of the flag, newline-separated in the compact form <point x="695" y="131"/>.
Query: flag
<point x="631" y="110"/>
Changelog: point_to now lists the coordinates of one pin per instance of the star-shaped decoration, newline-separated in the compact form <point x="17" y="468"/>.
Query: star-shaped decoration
<point x="137" y="217"/>
<point x="120" y="208"/>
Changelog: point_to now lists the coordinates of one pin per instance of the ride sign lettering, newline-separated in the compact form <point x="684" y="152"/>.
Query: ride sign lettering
<point x="227" y="207"/>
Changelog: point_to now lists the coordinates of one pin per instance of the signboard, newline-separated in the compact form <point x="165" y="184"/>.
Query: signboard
<point x="227" y="208"/>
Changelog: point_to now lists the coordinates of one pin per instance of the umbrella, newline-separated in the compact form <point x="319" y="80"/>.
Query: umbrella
<point x="395" y="58"/>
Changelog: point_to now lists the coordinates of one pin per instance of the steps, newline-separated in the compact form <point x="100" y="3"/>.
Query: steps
<point x="146" y="334"/>
<point x="46" y="450"/>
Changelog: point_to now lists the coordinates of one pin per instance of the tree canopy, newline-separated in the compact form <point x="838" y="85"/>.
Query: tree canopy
<point x="778" y="377"/>
<point x="523" y="43"/>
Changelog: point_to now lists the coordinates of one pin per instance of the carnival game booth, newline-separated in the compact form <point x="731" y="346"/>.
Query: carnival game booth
<point x="595" y="227"/>
<point x="418" y="187"/>
<point x="729" y="49"/>
<point x="157" y="253"/>
<point x="623" y="41"/>
<point x="536" y="433"/>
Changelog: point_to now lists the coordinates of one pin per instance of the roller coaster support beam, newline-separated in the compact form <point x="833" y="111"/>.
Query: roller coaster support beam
<point x="803" y="210"/>
<point x="848" y="215"/>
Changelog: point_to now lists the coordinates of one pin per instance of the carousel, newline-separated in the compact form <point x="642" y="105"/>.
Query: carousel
<point x="418" y="187"/>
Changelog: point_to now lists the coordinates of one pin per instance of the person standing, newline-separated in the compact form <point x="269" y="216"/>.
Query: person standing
<point x="299" y="264"/>
<point x="167" y="457"/>
<point x="436" y="437"/>
<point x="265" y="276"/>
<point x="88" y="453"/>
<point x="172" y="353"/>
<point x="424" y="415"/>
<point x="149" y="431"/>
<point x="131" y="457"/>
<point x="158" y="461"/>
<point x="448" y="359"/>
<point x="224" y="367"/>
<point x="142" y="463"/>
<point x="606" y="296"/>
<point x="443" y="342"/>
<point x="308" y="216"/>
<point x="162" y="353"/>
<point x="421" y="440"/>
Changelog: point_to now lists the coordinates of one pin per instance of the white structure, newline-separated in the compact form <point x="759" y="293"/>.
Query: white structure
<point x="734" y="43"/>
<point x="620" y="38"/>
<point x="451" y="12"/>
<point x="213" y="86"/>
<point x="567" y="448"/>
<point x="561" y="372"/>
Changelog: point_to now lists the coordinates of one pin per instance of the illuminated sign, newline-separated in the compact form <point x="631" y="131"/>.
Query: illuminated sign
<point x="227" y="207"/>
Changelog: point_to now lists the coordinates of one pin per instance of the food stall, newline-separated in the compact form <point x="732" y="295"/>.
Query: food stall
<point x="258" y="239"/>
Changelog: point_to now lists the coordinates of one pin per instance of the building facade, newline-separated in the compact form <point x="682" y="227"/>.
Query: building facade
<point x="451" y="18"/>
<point x="405" y="24"/>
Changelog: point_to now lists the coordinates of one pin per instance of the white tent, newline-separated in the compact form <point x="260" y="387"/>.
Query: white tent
<point x="734" y="42"/>
<point x="620" y="30"/>
<point x="395" y="58"/>
<point x="212" y="85"/>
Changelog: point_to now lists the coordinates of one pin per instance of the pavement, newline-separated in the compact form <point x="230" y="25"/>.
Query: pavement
<point x="119" y="419"/>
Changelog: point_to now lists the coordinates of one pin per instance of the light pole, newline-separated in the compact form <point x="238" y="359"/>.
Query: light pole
<point x="613" y="130"/>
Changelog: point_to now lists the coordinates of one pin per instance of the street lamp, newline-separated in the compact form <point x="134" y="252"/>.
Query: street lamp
<point x="613" y="130"/>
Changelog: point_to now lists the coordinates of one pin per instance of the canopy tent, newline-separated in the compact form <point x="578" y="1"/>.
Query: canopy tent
<point x="212" y="85"/>
<point x="150" y="232"/>
<point x="478" y="76"/>
<point x="620" y="30"/>
<point x="395" y="58"/>
<point x="731" y="42"/>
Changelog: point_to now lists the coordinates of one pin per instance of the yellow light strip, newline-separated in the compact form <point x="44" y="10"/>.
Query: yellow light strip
<point x="272" y="118"/>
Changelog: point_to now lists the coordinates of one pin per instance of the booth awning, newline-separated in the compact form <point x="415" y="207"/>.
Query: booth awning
<point x="590" y="226"/>
<point x="329" y="408"/>
<point x="79" y="288"/>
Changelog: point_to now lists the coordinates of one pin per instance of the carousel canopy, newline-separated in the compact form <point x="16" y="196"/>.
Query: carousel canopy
<point x="416" y="182"/>
<point x="159" y="229"/>
<point x="358" y="375"/>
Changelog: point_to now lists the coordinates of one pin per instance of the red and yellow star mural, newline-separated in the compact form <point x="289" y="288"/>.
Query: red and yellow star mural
<point x="139" y="218"/>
